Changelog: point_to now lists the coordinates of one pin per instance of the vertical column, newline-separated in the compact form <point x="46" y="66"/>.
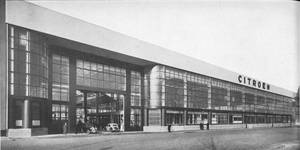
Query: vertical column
<point x="48" y="103"/>
<point x="163" y="117"/>
<point x="155" y="100"/>
<point x="228" y="105"/>
<point x="85" y="106"/>
<point x="185" y="101"/>
<point x="26" y="114"/>
<point x="72" y="94"/>
<point x="3" y="72"/>
<point x="243" y="106"/>
<point x="146" y="117"/>
<point x="298" y="97"/>
<point x="142" y="98"/>
<point x="209" y="96"/>
<point x="255" y="115"/>
<point x="127" y="101"/>
<point x="209" y="102"/>
<point x="209" y="116"/>
<point x="184" y="117"/>
<point x="146" y="86"/>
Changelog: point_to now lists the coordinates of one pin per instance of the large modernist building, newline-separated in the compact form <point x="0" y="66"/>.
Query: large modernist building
<point x="65" y="70"/>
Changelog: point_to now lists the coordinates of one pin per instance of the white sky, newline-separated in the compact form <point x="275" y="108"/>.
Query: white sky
<point x="254" y="38"/>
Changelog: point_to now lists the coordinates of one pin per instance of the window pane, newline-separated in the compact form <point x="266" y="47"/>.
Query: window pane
<point x="79" y="63"/>
<point x="87" y="65"/>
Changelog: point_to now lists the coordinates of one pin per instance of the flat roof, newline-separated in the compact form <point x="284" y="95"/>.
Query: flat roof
<point x="118" y="46"/>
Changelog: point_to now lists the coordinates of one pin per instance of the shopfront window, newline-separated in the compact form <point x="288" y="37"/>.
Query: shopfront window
<point x="195" y="118"/>
<point x="100" y="108"/>
<point x="260" y="118"/>
<point x="60" y="112"/>
<point x="236" y="118"/>
<point x="174" y="117"/>
<point x="219" y="118"/>
<point x="154" y="117"/>
<point x="135" y="118"/>
<point x="249" y="118"/>
<point x="278" y="119"/>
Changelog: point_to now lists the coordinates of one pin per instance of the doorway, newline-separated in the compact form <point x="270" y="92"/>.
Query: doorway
<point x="100" y="108"/>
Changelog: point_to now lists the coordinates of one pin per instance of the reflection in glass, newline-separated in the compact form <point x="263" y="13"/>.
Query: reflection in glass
<point x="99" y="108"/>
<point x="60" y="78"/>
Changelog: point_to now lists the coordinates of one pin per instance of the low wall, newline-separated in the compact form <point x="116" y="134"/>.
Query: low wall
<point x="26" y="132"/>
<point x="155" y="129"/>
<point x="228" y="126"/>
<point x="214" y="127"/>
<point x="19" y="133"/>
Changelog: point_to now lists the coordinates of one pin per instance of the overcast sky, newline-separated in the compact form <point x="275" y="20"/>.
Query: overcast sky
<point x="254" y="38"/>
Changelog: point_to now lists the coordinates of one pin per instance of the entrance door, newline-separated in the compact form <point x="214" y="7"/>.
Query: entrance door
<point x="99" y="108"/>
<point x="110" y="109"/>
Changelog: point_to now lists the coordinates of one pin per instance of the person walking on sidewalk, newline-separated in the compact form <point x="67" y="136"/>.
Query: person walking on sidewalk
<point x="207" y="125"/>
<point x="169" y="127"/>
<point x="201" y="125"/>
<point x="65" y="128"/>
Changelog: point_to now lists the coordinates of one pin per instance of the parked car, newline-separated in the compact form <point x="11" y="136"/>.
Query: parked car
<point x="113" y="127"/>
<point x="92" y="130"/>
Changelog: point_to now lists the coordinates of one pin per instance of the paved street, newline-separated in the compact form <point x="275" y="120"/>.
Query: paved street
<point x="239" y="139"/>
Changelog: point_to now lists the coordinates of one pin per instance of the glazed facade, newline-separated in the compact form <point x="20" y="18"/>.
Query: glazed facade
<point x="50" y="85"/>
<point x="56" y="73"/>
<point x="179" y="97"/>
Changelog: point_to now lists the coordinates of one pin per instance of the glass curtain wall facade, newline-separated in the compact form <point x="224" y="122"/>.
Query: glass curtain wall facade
<point x="183" y="98"/>
<point x="51" y="85"/>
<point x="114" y="101"/>
<point x="28" y="78"/>
<point x="60" y="93"/>
<point x="136" y="100"/>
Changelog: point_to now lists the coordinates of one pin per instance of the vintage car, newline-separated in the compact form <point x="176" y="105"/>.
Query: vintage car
<point x="113" y="127"/>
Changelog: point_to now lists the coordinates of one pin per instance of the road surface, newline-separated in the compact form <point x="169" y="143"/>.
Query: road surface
<point x="235" y="139"/>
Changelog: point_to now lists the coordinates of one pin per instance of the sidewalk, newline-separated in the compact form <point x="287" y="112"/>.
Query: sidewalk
<point x="86" y="134"/>
<point x="105" y="133"/>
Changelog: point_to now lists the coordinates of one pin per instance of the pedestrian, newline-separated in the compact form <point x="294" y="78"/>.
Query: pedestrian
<point x="207" y="125"/>
<point x="201" y="125"/>
<point x="65" y="128"/>
<point x="79" y="126"/>
<point x="76" y="128"/>
<point x="169" y="127"/>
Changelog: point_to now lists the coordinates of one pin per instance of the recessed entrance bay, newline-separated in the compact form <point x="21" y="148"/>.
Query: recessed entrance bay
<point x="100" y="108"/>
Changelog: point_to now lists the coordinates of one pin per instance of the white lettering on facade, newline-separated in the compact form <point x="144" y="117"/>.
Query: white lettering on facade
<point x="254" y="83"/>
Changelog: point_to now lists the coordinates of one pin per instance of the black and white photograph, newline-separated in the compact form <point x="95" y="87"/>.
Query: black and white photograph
<point x="150" y="74"/>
